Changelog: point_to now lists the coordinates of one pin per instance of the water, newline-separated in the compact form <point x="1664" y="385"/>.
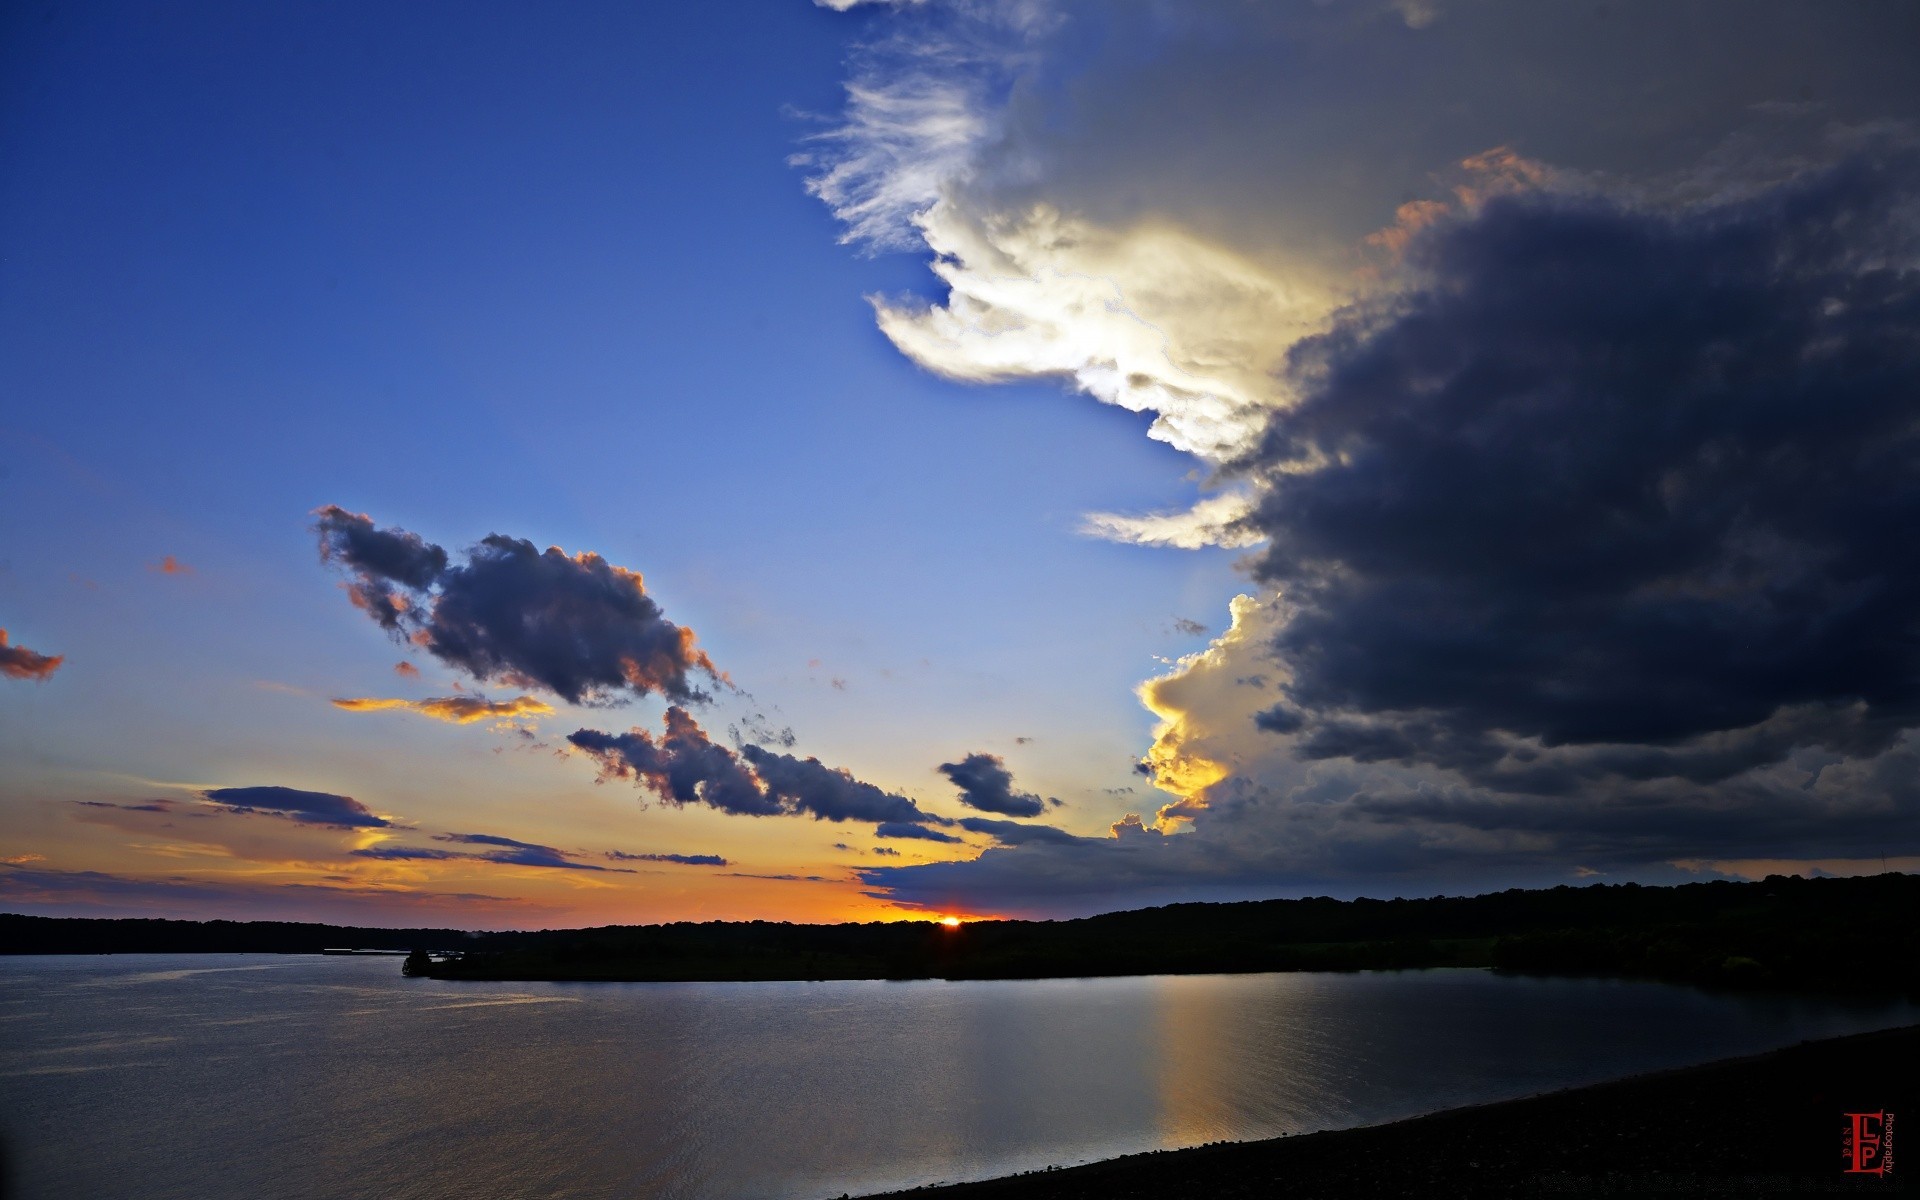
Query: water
<point x="215" y="1076"/>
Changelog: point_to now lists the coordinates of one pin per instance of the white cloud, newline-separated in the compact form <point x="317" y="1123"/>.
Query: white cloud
<point x="1210" y="522"/>
<point x="1150" y="318"/>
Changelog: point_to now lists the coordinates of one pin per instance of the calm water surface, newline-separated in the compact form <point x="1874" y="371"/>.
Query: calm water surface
<point x="215" y="1076"/>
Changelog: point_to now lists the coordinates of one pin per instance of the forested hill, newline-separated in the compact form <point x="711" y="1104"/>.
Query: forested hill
<point x="1781" y="932"/>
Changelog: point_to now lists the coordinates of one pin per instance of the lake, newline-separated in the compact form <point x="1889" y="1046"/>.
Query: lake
<point x="243" y="1076"/>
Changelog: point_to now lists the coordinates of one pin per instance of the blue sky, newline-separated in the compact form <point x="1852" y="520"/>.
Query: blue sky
<point x="554" y="274"/>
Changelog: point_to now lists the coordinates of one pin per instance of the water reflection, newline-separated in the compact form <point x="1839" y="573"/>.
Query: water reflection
<point x="335" y="1077"/>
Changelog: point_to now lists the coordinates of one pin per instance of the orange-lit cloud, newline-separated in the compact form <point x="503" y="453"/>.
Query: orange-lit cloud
<point x="18" y="662"/>
<point x="406" y="670"/>
<point x="1206" y="706"/>
<point x="1409" y="219"/>
<point x="457" y="710"/>
<point x="170" y="565"/>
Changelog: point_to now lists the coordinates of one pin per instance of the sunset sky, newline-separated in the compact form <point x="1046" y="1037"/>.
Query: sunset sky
<point x="530" y="465"/>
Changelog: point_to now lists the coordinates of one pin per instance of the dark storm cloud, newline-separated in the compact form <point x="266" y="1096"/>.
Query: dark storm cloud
<point x="685" y="766"/>
<point x="308" y="808"/>
<point x="575" y="625"/>
<point x="1612" y="476"/>
<point x="685" y="860"/>
<point x="1359" y="831"/>
<point x="986" y="784"/>
<point x="18" y="662"/>
<point x="1593" y="554"/>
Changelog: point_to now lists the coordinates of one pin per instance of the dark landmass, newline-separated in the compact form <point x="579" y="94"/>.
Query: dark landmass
<point x="1840" y="934"/>
<point x="1771" y="1125"/>
<point x="1782" y="932"/>
<point x="138" y="935"/>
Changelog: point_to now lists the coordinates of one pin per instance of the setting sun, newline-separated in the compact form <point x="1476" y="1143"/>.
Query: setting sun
<point x="950" y="922"/>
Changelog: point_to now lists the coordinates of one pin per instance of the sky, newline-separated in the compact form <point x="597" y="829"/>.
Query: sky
<point x="512" y="466"/>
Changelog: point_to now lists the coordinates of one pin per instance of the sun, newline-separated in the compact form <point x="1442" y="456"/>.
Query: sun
<point x="950" y="922"/>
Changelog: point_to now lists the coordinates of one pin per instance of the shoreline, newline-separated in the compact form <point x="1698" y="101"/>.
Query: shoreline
<point x="1772" y="1123"/>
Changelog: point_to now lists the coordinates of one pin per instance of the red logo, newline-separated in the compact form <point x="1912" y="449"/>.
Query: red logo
<point x="1869" y="1143"/>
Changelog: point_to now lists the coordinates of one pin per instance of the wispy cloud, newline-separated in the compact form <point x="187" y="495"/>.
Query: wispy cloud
<point x="503" y="850"/>
<point x="458" y="710"/>
<point x="685" y="860"/>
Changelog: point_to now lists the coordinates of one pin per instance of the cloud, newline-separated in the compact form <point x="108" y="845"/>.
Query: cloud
<point x="391" y="568"/>
<point x="921" y="102"/>
<point x="155" y="806"/>
<point x="406" y="670"/>
<point x="1148" y="318"/>
<point x="1154" y="203"/>
<point x="1585" y="556"/>
<point x="55" y="892"/>
<point x="1214" y="521"/>
<point x="907" y="829"/>
<point x="410" y="853"/>
<point x="459" y="710"/>
<point x="169" y="565"/>
<point x="18" y="662"/>
<point x="688" y="860"/>
<point x="521" y="854"/>
<point x="1015" y="833"/>
<point x="986" y="784"/>
<point x="1572" y="452"/>
<point x="831" y="793"/>
<point x="577" y="625"/>
<point x="504" y="850"/>
<point x="685" y="766"/>
<point x="307" y="808"/>
<point x="1611" y="492"/>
